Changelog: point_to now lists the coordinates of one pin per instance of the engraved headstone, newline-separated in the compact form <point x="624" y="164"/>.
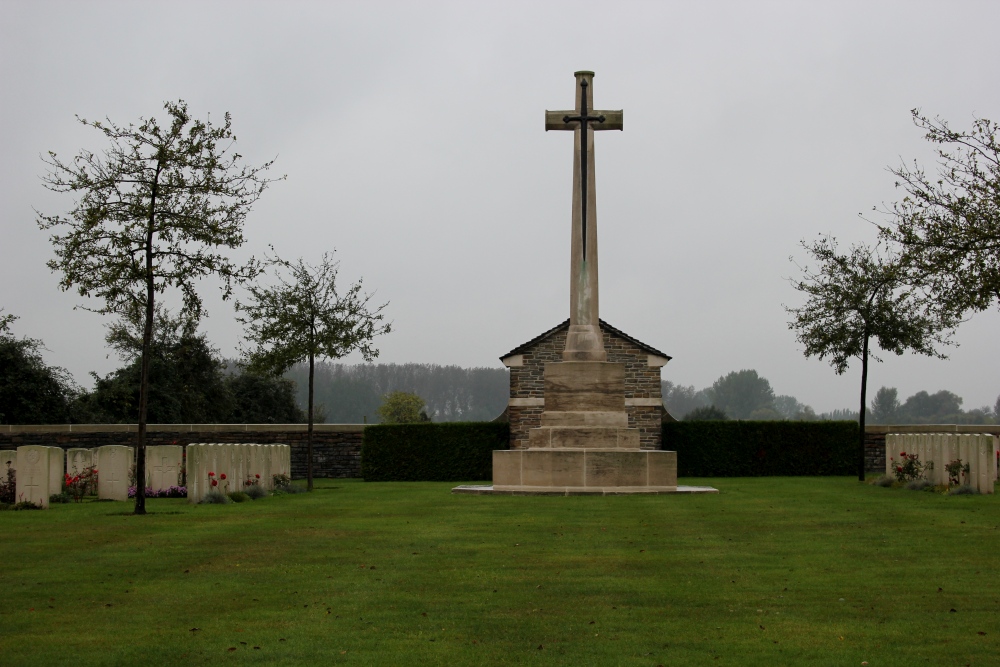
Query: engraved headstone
<point x="163" y="466"/>
<point x="78" y="460"/>
<point x="113" y="478"/>
<point x="33" y="478"/>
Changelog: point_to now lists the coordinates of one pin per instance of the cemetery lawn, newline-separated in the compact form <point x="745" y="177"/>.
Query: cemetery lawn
<point x="772" y="571"/>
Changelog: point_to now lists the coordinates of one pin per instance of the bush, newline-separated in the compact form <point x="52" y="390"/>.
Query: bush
<point x="919" y="485"/>
<point x="884" y="481"/>
<point x="256" y="492"/>
<point x="25" y="505"/>
<point x="964" y="490"/>
<point x="8" y="486"/>
<point x="238" y="497"/>
<point x="761" y="449"/>
<point x="289" y="488"/>
<point x="447" y="452"/>
<point x="60" y="498"/>
<point x="215" y="497"/>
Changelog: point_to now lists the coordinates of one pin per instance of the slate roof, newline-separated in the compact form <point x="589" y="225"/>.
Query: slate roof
<point x="524" y="347"/>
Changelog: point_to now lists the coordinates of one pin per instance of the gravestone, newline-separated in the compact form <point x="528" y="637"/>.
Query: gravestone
<point x="163" y="466"/>
<point x="33" y="476"/>
<point x="584" y="444"/>
<point x="113" y="475"/>
<point x="78" y="460"/>
<point x="57" y="469"/>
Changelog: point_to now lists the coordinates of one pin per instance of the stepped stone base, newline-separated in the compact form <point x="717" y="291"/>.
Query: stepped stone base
<point x="585" y="470"/>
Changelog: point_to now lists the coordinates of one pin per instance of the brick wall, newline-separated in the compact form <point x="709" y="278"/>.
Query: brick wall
<point x="336" y="447"/>
<point x="641" y="381"/>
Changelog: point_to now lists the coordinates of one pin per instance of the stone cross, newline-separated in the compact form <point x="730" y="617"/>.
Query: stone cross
<point x="584" y="342"/>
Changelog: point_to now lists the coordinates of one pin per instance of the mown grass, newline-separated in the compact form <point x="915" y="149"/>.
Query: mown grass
<point x="772" y="571"/>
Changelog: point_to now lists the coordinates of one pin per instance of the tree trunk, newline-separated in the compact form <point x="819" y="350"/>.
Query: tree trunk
<point x="309" y="432"/>
<point x="861" y="415"/>
<point x="147" y="345"/>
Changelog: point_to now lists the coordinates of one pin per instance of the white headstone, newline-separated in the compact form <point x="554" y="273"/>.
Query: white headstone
<point x="57" y="469"/>
<point x="112" y="476"/>
<point x="163" y="466"/>
<point x="33" y="477"/>
<point x="78" y="460"/>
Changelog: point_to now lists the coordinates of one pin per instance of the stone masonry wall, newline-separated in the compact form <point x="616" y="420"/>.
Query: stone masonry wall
<point x="641" y="381"/>
<point x="336" y="447"/>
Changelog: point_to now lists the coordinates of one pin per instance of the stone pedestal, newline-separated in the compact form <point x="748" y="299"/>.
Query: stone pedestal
<point x="584" y="444"/>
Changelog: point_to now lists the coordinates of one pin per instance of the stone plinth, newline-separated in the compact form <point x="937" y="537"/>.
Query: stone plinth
<point x="584" y="444"/>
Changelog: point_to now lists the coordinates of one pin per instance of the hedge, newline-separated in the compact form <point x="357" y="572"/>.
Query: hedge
<point x="762" y="448"/>
<point x="448" y="452"/>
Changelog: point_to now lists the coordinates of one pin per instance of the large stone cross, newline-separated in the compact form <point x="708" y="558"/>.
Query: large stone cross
<point x="584" y="341"/>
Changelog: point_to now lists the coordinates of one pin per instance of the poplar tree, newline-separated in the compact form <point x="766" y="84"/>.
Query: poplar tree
<point x="858" y="296"/>
<point x="152" y="212"/>
<point x="304" y="316"/>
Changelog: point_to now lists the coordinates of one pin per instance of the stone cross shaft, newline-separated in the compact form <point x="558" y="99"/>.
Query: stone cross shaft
<point x="584" y="341"/>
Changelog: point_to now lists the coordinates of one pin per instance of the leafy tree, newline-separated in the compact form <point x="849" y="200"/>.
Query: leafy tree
<point x="152" y="212"/>
<point x="788" y="406"/>
<point x="858" y="296"/>
<point x="401" y="407"/>
<point x="739" y="393"/>
<point x="940" y="407"/>
<point x="949" y="226"/>
<point x="680" y="400"/>
<point x="704" y="414"/>
<point x="31" y="392"/>
<point x="885" y="407"/>
<point x="263" y="399"/>
<point x="303" y="317"/>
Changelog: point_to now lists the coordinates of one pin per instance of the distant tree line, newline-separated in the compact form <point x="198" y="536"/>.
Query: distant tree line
<point x="190" y="384"/>
<point x="351" y="394"/>
<point x="745" y="395"/>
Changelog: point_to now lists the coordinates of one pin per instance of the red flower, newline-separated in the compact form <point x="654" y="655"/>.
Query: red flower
<point x="223" y="475"/>
<point x="899" y="468"/>
<point x="257" y="476"/>
<point x="215" y="482"/>
<point x="211" y="474"/>
<point x="902" y="453"/>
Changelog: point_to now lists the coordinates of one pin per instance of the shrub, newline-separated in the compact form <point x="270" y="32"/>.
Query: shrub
<point x="919" y="485"/>
<point x="964" y="490"/>
<point x="289" y="489"/>
<point x="215" y="497"/>
<point x="60" y="498"/>
<point x="761" y="449"/>
<point x="171" y="492"/>
<point x="447" y="452"/>
<point x="25" y="505"/>
<point x="8" y="486"/>
<point x="256" y="492"/>
<point x="909" y="468"/>
<point x="238" y="497"/>
<point x="884" y="481"/>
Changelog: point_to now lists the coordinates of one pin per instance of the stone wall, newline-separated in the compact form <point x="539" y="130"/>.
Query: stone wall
<point x="641" y="382"/>
<point x="336" y="447"/>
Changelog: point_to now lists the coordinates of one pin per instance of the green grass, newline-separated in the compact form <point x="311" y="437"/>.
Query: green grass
<point x="772" y="571"/>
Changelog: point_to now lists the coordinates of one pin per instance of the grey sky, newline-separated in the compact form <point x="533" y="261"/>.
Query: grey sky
<point x="412" y="136"/>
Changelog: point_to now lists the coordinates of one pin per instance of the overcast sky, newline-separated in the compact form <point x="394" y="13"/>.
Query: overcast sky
<point x="412" y="135"/>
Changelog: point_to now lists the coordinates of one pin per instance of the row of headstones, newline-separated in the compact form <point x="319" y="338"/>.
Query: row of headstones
<point x="979" y="451"/>
<point x="234" y="466"/>
<point x="40" y="470"/>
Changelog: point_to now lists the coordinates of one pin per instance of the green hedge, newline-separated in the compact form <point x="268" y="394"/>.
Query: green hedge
<point x="764" y="448"/>
<point x="449" y="452"/>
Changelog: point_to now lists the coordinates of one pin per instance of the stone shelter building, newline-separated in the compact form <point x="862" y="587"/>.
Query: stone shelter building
<point x="643" y="392"/>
